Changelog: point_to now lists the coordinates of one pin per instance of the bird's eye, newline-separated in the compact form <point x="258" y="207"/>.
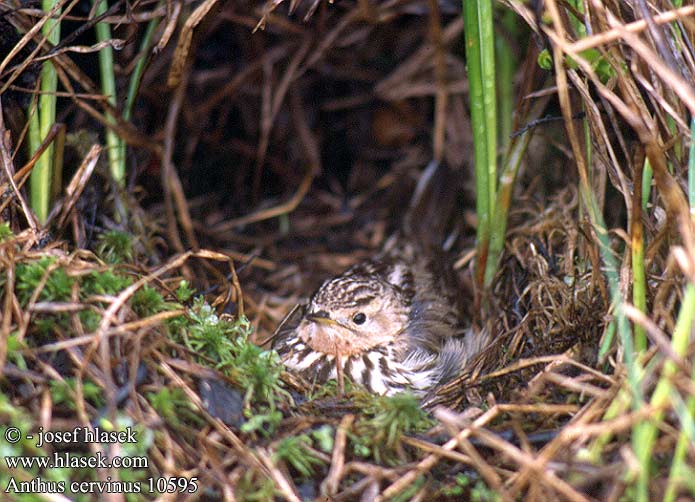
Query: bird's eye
<point x="359" y="318"/>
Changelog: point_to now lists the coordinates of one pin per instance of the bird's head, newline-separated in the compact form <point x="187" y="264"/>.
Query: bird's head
<point x="353" y="313"/>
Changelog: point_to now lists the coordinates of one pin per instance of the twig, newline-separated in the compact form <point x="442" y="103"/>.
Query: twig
<point x="329" y="487"/>
<point x="634" y="27"/>
<point x="272" y="212"/>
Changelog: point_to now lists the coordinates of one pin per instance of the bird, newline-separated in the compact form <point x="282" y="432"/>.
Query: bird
<point x="393" y="322"/>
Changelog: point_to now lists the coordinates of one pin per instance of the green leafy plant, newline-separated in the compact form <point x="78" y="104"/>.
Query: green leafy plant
<point x="14" y="417"/>
<point x="206" y="334"/>
<point x="410" y="492"/>
<point x="258" y="371"/>
<point x="461" y="482"/>
<point x="14" y="345"/>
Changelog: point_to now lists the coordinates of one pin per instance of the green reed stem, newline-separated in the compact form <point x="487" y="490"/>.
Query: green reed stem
<point x="691" y="168"/>
<point x="136" y="77"/>
<point x="639" y="279"/>
<point x="678" y="466"/>
<point x="505" y="63"/>
<point x="40" y="123"/>
<point x="517" y="149"/>
<point x="108" y="88"/>
<point x="639" y="286"/>
<point x="480" y="56"/>
<point x="647" y="175"/>
<point x="645" y="432"/>
<point x="611" y="271"/>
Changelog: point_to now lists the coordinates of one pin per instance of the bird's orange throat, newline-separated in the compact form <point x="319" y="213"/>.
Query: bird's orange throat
<point x="335" y="341"/>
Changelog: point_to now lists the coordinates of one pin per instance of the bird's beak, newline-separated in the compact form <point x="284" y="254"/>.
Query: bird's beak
<point x="321" y="318"/>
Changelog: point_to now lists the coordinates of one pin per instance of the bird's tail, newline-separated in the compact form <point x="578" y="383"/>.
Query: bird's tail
<point x="458" y="352"/>
<point x="432" y="205"/>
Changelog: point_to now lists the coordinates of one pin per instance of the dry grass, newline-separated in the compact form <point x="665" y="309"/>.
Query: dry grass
<point x="290" y="151"/>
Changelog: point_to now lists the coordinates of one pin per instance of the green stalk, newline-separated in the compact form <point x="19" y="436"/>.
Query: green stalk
<point x="645" y="432"/>
<point x="506" y="66"/>
<point x="504" y="199"/>
<point x="647" y="175"/>
<point x="480" y="56"/>
<point x="691" y="168"/>
<point x="108" y="88"/>
<point x="517" y="149"/>
<point x="639" y="286"/>
<point x="684" y="442"/>
<point x="39" y="206"/>
<point x="610" y="266"/>
<point x="678" y="465"/>
<point x="489" y="82"/>
<point x="42" y="121"/>
<point x="611" y="270"/>
<point x="639" y="279"/>
<point x="634" y="370"/>
<point x="136" y="77"/>
<point x="617" y="407"/>
<point x="607" y="342"/>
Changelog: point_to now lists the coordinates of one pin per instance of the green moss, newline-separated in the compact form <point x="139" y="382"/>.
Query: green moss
<point x="63" y="393"/>
<point x="90" y="320"/>
<point x="483" y="493"/>
<point x="115" y="247"/>
<point x="410" y="491"/>
<point x="385" y="420"/>
<point x="5" y="231"/>
<point x="204" y="333"/>
<point x="173" y="405"/>
<point x="263" y="422"/>
<point x="226" y="343"/>
<point x="323" y="437"/>
<point x="14" y="419"/>
<point x="294" y="450"/>
<point x="14" y="345"/>
<point x="107" y="282"/>
<point x="396" y="415"/>
<point x="184" y="292"/>
<point x="147" y="301"/>
<point x="58" y="286"/>
<point x="257" y="370"/>
<point x="255" y="488"/>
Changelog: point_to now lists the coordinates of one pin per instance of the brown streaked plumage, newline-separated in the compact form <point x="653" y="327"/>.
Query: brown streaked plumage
<point x="392" y="322"/>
